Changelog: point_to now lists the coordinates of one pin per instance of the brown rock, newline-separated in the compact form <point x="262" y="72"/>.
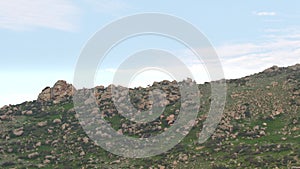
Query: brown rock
<point x="184" y="157"/>
<point x="4" y="117"/>
<point x="262" y="133"/>
<point x="49" y="157"/>
<point x="56" y="121"/>
<point x="161" y="167"/>
<point x="59" y="92"/>
<point x="33" y="155"/>
<point x="42" y="123"/>
<point x="200" y="147"/>
<point x="18" y="132"/>
<point x="46" y="161"/>
<point x="271" y="69"/>
<point x="82" y="153"/>
<point x="85" y="140"/>
<point x="27" y="112"/>
<point x="175" y="162"/>
<point x="170" y="118"/>
<point x="45" y="95"/>
<point x="283" y="138"/>
<point x="38" y="144"/>
<point x="295" y="67"/>
<point x="64" y="126"/>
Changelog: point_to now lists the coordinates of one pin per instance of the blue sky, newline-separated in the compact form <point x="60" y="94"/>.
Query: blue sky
<point x="41" y="40"/>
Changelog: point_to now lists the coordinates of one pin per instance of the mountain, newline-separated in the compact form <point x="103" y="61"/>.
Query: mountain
<point x="260" y="127"/>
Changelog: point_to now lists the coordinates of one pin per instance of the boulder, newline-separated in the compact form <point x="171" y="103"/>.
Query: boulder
<point x="271" y="69"/>
<point x="33" y="155"/>
<point x="42" y="123"/>
<point x="61" y="91"/>
<point x="27" y="112"/>
<point x="18" y="132"/>
<point x="45" y="95"/>
<point x="56" y="121"/>
<point x="171" y="118"/>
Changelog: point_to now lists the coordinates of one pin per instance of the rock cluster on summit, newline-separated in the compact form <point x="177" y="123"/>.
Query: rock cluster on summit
<point x="61" y="91"/>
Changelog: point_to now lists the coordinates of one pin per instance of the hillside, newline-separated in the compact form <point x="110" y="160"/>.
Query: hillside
<point x="260" y="127"/>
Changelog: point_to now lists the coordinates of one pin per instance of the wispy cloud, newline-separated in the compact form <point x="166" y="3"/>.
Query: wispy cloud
<point x="276" y="47"/>
<point x="279" y="48"/>
<point x="264" y="13"/>
<point x="28" y="14"/>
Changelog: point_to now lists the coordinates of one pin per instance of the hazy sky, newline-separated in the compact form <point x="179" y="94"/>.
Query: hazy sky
<point x="41" y="40"/>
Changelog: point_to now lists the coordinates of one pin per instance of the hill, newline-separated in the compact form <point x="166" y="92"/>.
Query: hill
<point x="260" y="127"/>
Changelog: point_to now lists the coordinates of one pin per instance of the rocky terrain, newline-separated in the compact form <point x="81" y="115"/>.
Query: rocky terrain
<point x="260" y="127"/>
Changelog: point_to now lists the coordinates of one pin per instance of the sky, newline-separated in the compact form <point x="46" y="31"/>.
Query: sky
<point x="41" y="41"/>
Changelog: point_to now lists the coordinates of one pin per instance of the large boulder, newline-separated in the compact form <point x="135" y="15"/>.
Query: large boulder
<point x="271" y="69"/>
<point x="61" y="91"/>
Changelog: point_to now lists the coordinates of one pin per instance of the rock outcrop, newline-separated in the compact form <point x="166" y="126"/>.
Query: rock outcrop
<point x="61" y="91"/>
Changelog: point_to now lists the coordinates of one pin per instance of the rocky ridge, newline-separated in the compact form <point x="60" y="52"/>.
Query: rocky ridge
<point x="260" y="127"/>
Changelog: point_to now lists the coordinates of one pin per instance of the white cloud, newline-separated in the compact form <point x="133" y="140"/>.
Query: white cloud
<point x="247" y="58"/>
<point x="276" y="47"/>
<point x="287" y="33"/>
<point x="27" y="14"/>
<point x="264" y="13"/>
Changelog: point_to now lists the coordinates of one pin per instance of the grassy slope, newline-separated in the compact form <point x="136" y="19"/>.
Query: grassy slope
<point x="261" y="95"/>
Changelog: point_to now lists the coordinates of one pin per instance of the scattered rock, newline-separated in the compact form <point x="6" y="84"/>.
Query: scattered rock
<point x="27" y="112"/>
<point x="183" y="157"/>
<point x="64" y="126"/>
<point x="175" y="162"/>
<point x="161" y="167"/>
<point x="260" y="108"/>
<point x="200" y="147"/>
<point x="46" y="161"/>
<point x="18" y="132"/>
<point x="33" y="155"/>
<point x="171" y="118"/>
<point x="38" y="144"/>
<point x="116" y="162"/>
<point x="50" y="131"/>
<point x="56" y="121"/>
<point x="283" y="138"/>
<point x="4" y="117"/>
<point x="262" y="133"/>
<point x="82" y="153"/>
<point x="85" y="140"/>
<point x="42" y="123"/>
